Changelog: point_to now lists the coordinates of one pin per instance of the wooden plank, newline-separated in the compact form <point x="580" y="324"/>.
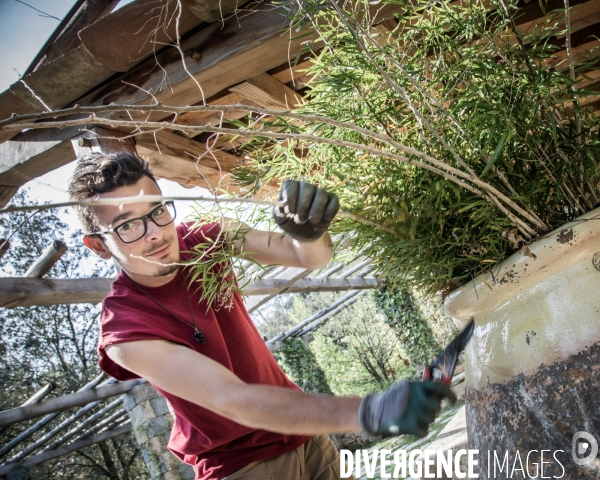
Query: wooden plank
<point x="588" y="79"/>
<point x="46" y="419"/>
<point x="210" y="11"/>
<point x="582" y="15"/>
<point x="124" y="38"/>
<point x="580" y="54"/>
<point x="72" y="447"/>
<point x="27" y="292"/>
<point x="269" y="92"/>
<point x="39" y="395"/>
<point x="289" y="71"/>
<point x="6" y="193"/>
<point x="77" y="399"/>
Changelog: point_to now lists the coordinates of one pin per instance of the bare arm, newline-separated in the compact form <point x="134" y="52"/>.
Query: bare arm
<point x="277" y="248"/>
<point x="212" y="386"/>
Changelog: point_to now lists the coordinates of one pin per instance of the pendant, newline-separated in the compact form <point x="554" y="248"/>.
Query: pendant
<point x="199" y="336"/>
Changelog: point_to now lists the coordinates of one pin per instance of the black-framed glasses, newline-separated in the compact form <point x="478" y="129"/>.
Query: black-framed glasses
<point x="134" y="229"/>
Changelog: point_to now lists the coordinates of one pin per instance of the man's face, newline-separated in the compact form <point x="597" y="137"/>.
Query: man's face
<point x="152" y="259"/>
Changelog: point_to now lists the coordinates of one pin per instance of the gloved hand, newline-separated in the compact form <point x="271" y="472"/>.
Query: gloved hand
<point x="307" y="211"/>
<point x="407" y="407"/>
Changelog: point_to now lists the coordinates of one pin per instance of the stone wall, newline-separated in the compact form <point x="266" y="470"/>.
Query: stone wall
<point x="152" y="421"/>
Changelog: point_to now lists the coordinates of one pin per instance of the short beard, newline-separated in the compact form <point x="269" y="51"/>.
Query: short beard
<point x="165" y="270"/>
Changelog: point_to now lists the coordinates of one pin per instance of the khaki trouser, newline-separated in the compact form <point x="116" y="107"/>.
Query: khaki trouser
<point x="317" y="459"/>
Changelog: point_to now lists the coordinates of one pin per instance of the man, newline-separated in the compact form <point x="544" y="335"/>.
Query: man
<point x="236" y="414"/>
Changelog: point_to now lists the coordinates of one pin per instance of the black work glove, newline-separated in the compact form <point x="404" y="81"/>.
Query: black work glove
<point x="407" y="407"/>
<point x="307" y="211"/>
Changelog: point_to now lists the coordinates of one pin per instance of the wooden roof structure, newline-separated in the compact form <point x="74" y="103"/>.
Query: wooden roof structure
<point x="240" y="52"/>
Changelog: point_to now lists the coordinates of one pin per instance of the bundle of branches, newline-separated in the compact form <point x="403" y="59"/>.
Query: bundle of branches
<point x="454" y="131"/>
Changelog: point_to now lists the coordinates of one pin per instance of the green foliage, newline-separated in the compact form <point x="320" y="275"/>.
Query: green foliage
<point x="214" y="262"/>
<point x="404" y="315"/>
<point x="301" y="366"/>
<point x="461" y="144"/>
<point x="356" y="348"/>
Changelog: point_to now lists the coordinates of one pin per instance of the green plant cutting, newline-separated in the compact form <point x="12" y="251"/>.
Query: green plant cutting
<point x="457" y="133"/>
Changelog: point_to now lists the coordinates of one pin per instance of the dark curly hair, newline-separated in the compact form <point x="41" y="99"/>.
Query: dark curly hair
<point x="101" y="173"/>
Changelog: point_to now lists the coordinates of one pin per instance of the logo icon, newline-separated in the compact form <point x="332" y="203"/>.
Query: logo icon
<point x="585" y="448"/>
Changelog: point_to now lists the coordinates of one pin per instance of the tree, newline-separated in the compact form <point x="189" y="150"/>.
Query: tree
<point x="301" y="366"/>
<point x="356" y="348"/>
<point x="404" y="316"/>
<point x="55" y="344"/>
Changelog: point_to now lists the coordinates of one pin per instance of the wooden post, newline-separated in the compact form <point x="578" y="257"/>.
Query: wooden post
<point x="47" y="260"/>
<point x="4" y="246"/>
<point x="102" y="140"/>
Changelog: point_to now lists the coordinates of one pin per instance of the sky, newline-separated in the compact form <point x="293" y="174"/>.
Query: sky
<point x="23" y="32"/>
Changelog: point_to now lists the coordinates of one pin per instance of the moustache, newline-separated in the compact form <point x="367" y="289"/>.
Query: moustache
<point x="156" y="247"/>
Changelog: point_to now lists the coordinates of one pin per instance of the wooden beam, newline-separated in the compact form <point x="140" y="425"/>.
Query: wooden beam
<point x="68" y="38"/>
<point x="46" y="260"/>
<point x="87" y="422"/>
<point x="62" y="81"/>
<point x="175" y="145"/>
<point x="36" y="397"/>
<point x="581" y="16"/>
<point x="20" y="414"/>
<point x="72" y="447"/>
<point x="292" y="275"/>
<point x="124" y="38"/>
<point x="215" y="118"/>
<point x="269" y="92"/>
<point x="27" y="292"/>
<point x="218" y="56"/>
<point x="210" y="11"/>
<point x="263" y="90"/>
<point x="102" y="140"/>
<point x="289" y="71"/>
<point x="187" y="162"/>
<point x="580" y="54"/>
<point x="32" y="154"/>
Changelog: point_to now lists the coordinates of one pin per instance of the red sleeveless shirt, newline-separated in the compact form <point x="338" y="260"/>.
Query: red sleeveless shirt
<point x="215" y="445"/>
